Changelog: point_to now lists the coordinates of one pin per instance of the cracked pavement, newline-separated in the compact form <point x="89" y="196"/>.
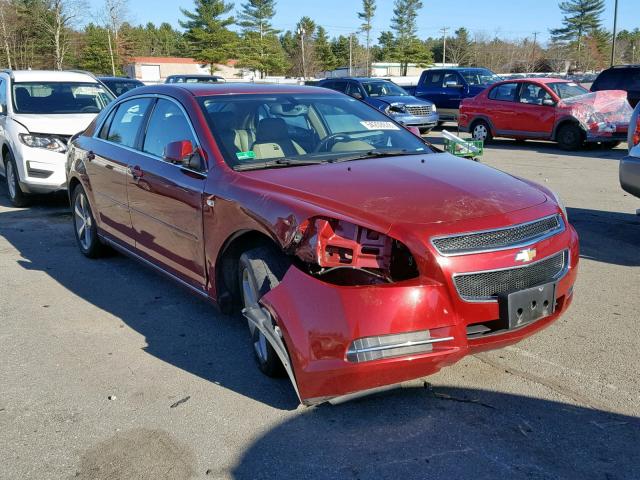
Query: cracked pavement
<point x="109" y="371"/>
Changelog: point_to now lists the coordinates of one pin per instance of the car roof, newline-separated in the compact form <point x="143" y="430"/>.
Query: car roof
<point x="194" y="75"/>
<point x="544" y="80"/>
<point x="210" y="89"/>
<point x="51" y="76"/>
<point x="120" y="79"/>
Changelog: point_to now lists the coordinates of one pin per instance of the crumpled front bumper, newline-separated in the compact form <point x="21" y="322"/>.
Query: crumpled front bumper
<point x="420" y="121"/>
<point x="319" y="321"/>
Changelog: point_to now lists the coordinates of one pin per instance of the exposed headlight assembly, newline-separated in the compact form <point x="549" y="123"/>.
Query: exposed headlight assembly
<point x="348" y="254"/>
<point x="47" y="142"/>
<point x="395" y="109"/>
<point x="560" y="203"/>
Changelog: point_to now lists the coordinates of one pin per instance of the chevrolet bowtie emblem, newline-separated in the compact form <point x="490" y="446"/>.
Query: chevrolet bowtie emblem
<point x="526" y="255"/>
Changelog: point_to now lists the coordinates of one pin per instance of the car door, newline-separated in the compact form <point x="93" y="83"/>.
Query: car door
<point x="106" y="161"/>
<point x="534" y="116"/>
<point x="165" y="198"/>
<point x="3" y="115"/>
<point x="500" y="107"/>
<point x="453" y="87"/>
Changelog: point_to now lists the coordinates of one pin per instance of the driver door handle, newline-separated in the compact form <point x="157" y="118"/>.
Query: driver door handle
<point x="90" y="156"/>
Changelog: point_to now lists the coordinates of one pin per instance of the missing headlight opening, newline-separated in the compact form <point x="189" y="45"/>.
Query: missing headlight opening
<point x="346" y="254"/>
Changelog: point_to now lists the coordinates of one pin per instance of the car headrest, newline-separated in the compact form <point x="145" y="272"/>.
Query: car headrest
<point x="271" y="129"/>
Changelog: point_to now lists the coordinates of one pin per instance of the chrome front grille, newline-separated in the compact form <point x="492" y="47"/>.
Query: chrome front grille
<point x="500" y="239"/>
<point x="488" y="285"/>
<point x="418" y="109"/>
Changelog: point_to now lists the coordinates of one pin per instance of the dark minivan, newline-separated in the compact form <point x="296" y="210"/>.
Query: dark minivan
<point x="620" y="77"/>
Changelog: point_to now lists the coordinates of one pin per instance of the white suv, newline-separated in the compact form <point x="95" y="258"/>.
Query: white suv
<point x="630" y="165"/>
<point x="39" y="112"/>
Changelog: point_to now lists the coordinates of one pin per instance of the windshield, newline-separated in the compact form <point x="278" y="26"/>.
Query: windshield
<point x="481" y="76"/>
<point x="384" y="89"/>
<point x="122" y="86"/>
<point x="567" y="90"/>
<point x="59" y="97"/>
<point x="264" y="130"/>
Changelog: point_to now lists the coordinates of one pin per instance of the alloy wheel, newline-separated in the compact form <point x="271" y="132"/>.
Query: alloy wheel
<point x="83" y="221"/>
<point x="11" y="180"/>
<point x="250" y="300"/>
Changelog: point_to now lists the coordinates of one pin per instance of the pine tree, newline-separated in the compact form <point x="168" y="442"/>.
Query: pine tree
<point x="209" y="39"/>
<point x="581" y="18"/>
<point x="325" y="57"/>
<point x="367" y="14"/>
<point x="408" y="48"/>
<point x="260" y="49"/>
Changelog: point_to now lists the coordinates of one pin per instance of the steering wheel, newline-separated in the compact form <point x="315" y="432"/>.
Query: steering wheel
<point x="327" y="142"/>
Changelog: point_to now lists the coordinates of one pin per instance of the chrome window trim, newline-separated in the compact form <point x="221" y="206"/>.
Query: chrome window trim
<point x="559" y="277"/>
<point x="561" y="228"/>
<point x="397" y="345"/>
<point x="135" y="150"/>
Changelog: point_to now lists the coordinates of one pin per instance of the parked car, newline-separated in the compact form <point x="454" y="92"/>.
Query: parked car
<point x="447" y="87"/>
<point x="630" y="165"/>
<point x="194" y="79"/>
<point x="361" y="256"/>
<point x="389" y="98"/>
<point x="39" y="112"/>
<point x="547" y="109"/>
<point x="120" y="85"/>
<point x="620" y="77"/>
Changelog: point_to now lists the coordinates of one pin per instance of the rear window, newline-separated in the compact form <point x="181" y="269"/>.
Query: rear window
<point x="505" y="92"/>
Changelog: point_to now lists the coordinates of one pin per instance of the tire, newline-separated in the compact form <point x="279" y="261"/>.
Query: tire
<point x="84" y="225"/>
<point x="610" y="145"/>
<point x="425" y="131"/>
<point x="12" y="176"/>
<point x="480" y="130"/>
<point x="260" y="270"/>
<point x="569" y="137"/>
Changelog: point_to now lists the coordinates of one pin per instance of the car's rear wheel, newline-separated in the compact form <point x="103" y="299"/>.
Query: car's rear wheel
<point x="261" y="269"/>
<point x="16" y="195"/>
<point x="85" y="225"/>
<point x="570" y="137"/>
<point x="480" y="130"/>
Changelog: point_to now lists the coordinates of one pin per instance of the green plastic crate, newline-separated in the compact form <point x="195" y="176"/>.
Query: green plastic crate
<point x="468" y="149"/>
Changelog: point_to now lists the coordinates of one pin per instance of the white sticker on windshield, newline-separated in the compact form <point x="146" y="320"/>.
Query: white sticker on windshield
<point x="380" y="125"/>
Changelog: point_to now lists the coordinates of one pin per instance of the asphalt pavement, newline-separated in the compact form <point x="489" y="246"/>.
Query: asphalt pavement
<point x="110" y="371"/>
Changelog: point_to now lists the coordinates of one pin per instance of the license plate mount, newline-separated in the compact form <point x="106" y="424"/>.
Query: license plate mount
<point x="521" y="308"/>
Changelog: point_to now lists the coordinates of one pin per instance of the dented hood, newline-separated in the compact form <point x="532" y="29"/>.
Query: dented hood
<point x="387" y="191"/>
<point x="60" y="124"/>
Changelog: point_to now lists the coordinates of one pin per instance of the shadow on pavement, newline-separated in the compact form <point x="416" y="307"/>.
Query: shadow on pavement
<point x="609" y="237"/>
<point x="427" y="433"/>
<point x="179" y="328"/>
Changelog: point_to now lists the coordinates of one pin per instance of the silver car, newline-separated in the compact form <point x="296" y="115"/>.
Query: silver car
<point x="630" y="165"/>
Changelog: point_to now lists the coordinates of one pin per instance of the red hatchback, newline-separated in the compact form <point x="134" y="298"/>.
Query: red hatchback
<point x="360" y="255"/>
<point x="547" y="109"/>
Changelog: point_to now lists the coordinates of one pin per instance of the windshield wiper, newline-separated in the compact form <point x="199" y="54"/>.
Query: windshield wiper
<point x="377" y="154"/>
<point x="277" y="162"/>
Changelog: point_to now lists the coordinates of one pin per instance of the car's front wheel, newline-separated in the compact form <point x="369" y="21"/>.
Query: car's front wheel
<point x="570" y="137"/>
<point x="85" y="225"/>
<point x="261" y="270"/>
<point x="481" y="131"/>
<point x="16" y="195"/>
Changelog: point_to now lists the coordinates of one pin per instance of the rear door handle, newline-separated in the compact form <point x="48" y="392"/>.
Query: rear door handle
<point x="136" y="172"/>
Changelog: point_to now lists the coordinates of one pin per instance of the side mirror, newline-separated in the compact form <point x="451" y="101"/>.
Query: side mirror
<point x="548" y="102"/>
<point x="452" y="85"/>
<point x="357" y="95"/>
<point x="183" y="153"/>
<point x="2" y="110"/>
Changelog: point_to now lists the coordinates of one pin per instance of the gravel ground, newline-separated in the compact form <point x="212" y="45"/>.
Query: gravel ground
<point x="109" y="371"/>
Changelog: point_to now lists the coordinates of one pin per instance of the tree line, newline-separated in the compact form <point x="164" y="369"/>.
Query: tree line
<point x="66" y="34"/>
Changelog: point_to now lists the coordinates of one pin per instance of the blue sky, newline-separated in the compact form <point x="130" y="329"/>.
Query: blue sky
<point x="507" y="18"/>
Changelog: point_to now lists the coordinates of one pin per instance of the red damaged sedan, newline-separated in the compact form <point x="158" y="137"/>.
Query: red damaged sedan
<point x="547" y="109"/>
<point x="360" y="255"/>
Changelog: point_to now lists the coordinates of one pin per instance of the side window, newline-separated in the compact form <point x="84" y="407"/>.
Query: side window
<point x="104" y="130"/>
<point x="505" y="92"/>
<point x="3" y="96"/>
<point x="127" y="121"/>
<point x="451" y="77"/>
<point x="433" y="79"/>
<point x="167" y="124"/>
<point x="354" y="88"/>
<point x="330" y="85"/>
<point x="340" y="86"/>
<point x="533" y="94"/>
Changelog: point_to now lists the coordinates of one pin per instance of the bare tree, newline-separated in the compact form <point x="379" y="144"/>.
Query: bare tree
<point x="5" y="29"/>
<point x="57" y="19"/>
<point x="114" y="14"/>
